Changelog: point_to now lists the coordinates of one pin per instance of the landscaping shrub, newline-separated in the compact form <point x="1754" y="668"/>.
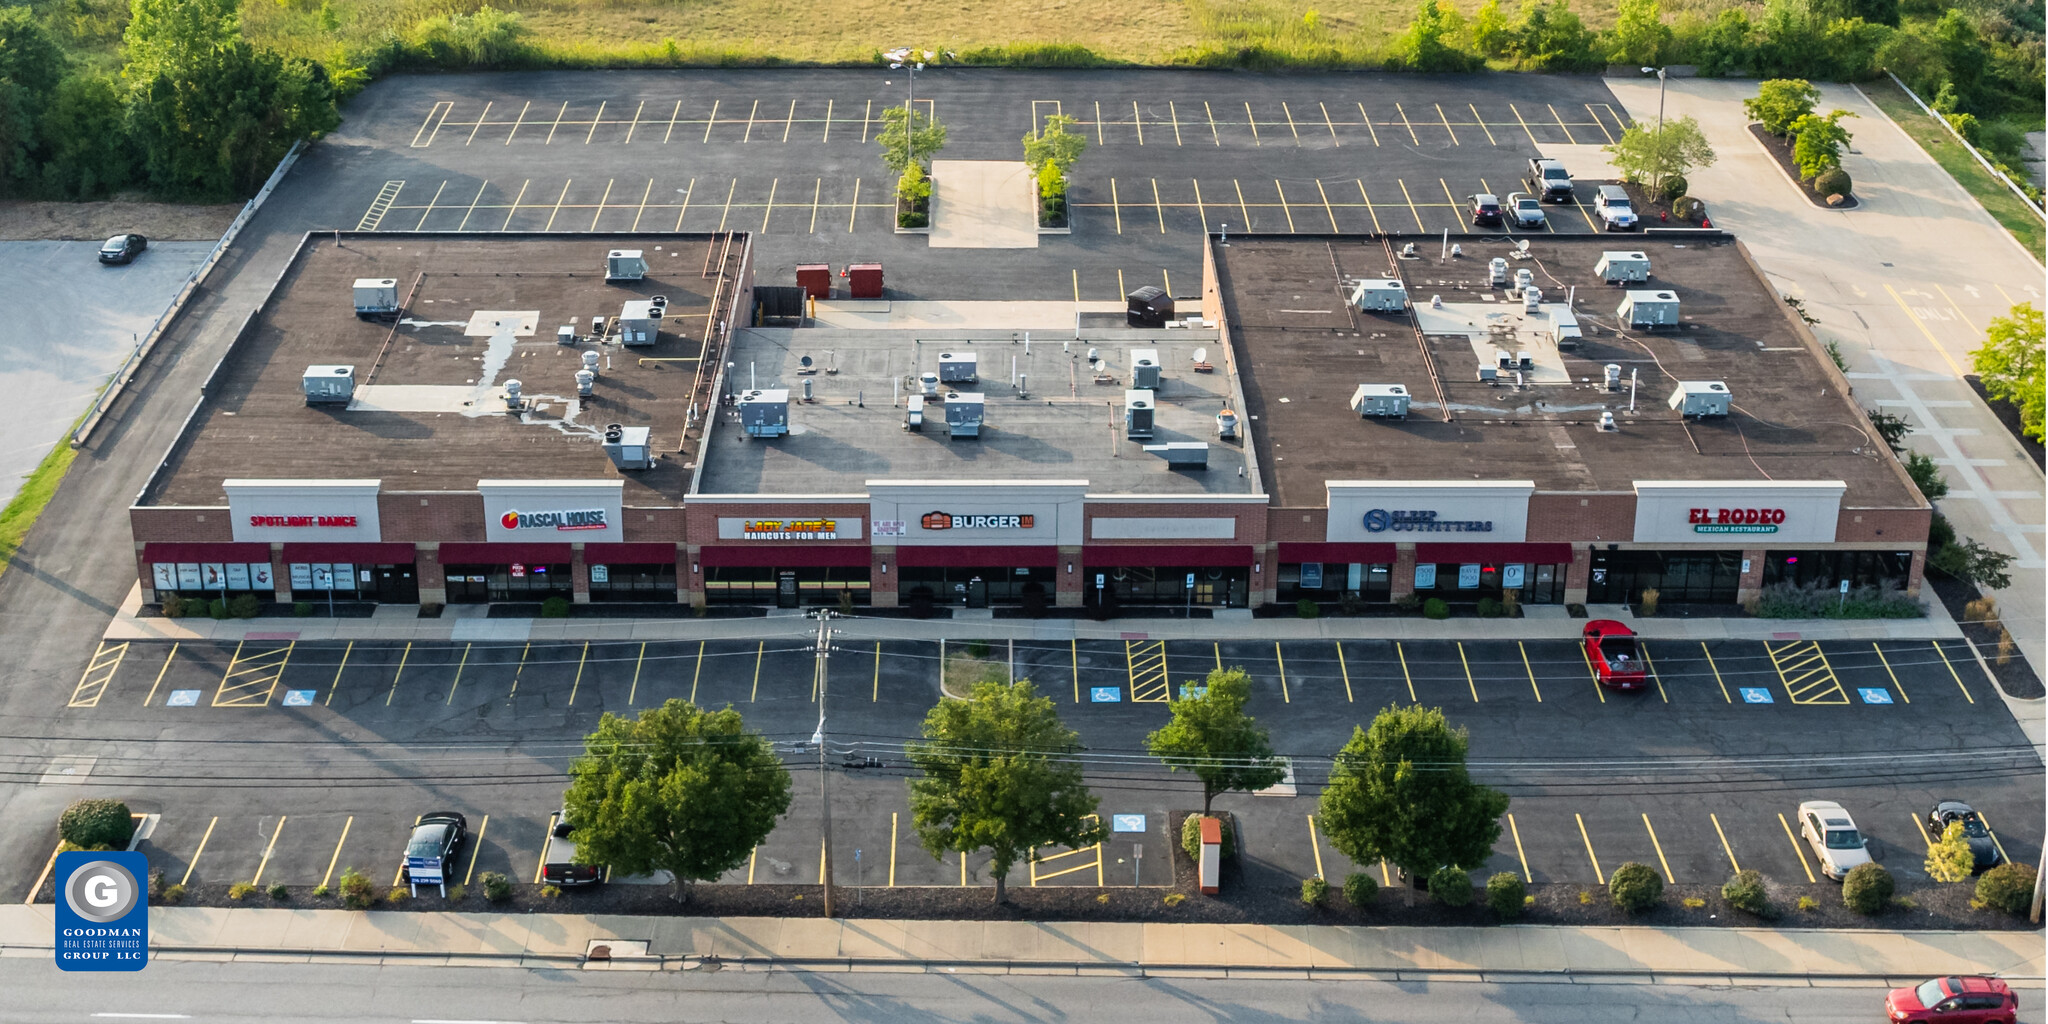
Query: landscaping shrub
<point x="555" y="892"/>
<point x="1832" y="182"/>
<point x="96" y="823"/>
<point x="217" y="608"/>
<point x="1489" y="608"/>
<point x="241" y="890"/>
<point x="356" y="893"/>
<point x="1507" y="895"/>
<point x="1648" y="604"/>
<point x="457" y="892"/>
<point x="323" y="891"/>
<point x="174" y="607"/>
<point x="398" y="894"/>
<point x="173" y="895"/>
<point x="302" y="609"/>
<point x="555" y="608"/>
<point x="1435" y="608"/>
<point x="279" y="892"/>
<point x="1745" y="891"/>
<point x="1451" y="886"/>
<point x="1688" y="208"/>
<point x="1672" y="188"/>
<point x="2008" y="887"/>
<point x="1820" y="600"/>
<point x="1191" y="837"/>
<point x="1868" y="888"/>
<point x="1314" y="891"/>
<point x="1307" y="609"/>
<point x="1635" y="887"/>
<point x="1360" y="889"/>
<point x="1808" y="904"/>
<point x="244" y="606"/>
<point x="977" y="648"/>
<point x="497" y="887"/>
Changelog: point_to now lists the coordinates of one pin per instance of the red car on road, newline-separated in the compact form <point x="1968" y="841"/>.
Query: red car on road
<point x="1611" y="650"/>
<point x="1965" y="1000"/>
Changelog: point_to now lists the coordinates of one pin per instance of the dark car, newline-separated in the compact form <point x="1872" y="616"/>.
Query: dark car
<point x="1611" y="650"/>
<point x="558" y="857"/>
<point x="1975" y="832"/>
<point x="430" y="853"/>
<point x="123" y="248"/>
<point x="1549" y="179"/>
<point x="1961" y="1000"/>
<point x="1485" y="209"/>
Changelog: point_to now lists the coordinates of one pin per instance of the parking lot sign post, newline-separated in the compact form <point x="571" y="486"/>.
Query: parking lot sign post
<point x="1137" y="863"/>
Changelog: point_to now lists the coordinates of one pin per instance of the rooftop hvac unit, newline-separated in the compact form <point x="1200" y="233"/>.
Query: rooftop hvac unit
<point x="913" y="417"/>
<point x="957" y="368"/>
<point x="928" y="382"/>
<point x="376" y="297"/>
<point x="628" y="447"/>
<point x="1192" y="454"/>
<point x="765" y="413"/>
<point x="1226" y="425"/>
<point x="1700" y="398"/>
<point x="624" y="265"/>
<point x="1149" y="306"/>
<point x="1488" y="373"/>
<point x="1389" y="401"/>
<point x="965" y="413"/>
<point x="1384" y="295"/>
<point x="639" y="323"/>
<point x="1138" y="410"/>
<point x="1524" y="277"/>
<point x="1648" y="307"/>
<point x="1145" y="368"/>
<point x="1561" y="326"/>
<point x="1497" y="272"/>
<point x="327" y="385"/>
<point x="1617" y="266"/>
<point x="565" y="334"/>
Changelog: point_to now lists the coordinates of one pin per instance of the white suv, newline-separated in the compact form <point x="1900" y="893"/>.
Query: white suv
<point x="1614" y="209"/>
<point x="1832" y="833"/>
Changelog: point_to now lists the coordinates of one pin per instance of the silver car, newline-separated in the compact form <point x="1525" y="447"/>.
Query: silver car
<point x="1832" y="834"/>
<point x="1526" y="210"/>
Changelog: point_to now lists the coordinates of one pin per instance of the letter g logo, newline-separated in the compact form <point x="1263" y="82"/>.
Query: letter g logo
<point x="101" y="892"/>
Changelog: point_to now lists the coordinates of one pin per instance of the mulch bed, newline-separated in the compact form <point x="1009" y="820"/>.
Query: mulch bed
<point x="1651" y="209"/>
<point x="1780" y="149"/>
<point x="2009" y="415"/>
<point x="2016" y="677"/>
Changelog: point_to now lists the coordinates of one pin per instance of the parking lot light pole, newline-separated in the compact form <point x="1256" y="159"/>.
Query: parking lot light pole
<point x="824" y="650"/>
<point x="1659" y="72"/>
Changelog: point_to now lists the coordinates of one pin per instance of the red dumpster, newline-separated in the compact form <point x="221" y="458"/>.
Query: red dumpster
<point x="815" y="279"/>
<point x="864" y="280"/>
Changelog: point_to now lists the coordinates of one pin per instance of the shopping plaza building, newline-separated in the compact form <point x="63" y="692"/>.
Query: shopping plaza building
<point x="440" y="419"/>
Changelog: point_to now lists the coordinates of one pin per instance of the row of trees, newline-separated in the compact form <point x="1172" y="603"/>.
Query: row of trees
<point x="195" y="112"/>
<point x="692" y="792"/>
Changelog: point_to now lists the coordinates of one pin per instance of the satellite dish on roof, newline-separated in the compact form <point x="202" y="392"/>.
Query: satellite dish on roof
<point x="1522" y="245"/>
<point x="1201" y="355"/>
<point x="804" y="362"/>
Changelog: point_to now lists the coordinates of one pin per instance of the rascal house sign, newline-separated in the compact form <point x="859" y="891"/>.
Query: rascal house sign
<point x="1380" y="520"/>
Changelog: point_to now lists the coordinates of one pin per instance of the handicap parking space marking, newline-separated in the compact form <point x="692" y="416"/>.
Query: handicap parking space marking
<point x="183" y="699"/>
<point x="1127" y="823"/>
<point x="1874" y="695"/>
<point x="1105" y="695"/>
<point x="1756" y="695"/>
<point x="298" y="698"/>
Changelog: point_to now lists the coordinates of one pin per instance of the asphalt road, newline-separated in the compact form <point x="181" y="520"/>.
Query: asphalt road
<point x="222" y="993"/>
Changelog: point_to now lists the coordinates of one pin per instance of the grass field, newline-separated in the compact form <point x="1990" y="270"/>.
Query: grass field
<point x="2003" y="206"/>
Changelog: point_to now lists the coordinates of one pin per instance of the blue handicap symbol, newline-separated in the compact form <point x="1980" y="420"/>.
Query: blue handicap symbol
<point x="183" y="699"/>
<point x="1874" y="695"/>
<point x="1189" y="691"/>
<point x="1756" y="695"/>
<point x="1127" y="823"/>
<point x="1105" y="695"/>
<point x="298" y="698"/>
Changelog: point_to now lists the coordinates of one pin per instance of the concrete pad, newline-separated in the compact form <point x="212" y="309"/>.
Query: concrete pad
<point x="381" y="930"/>
<point x="1066" y="941"/>
<point x="188" y="926"/>
<point x="872" y="939"/>
<point x="945" y="940"/>
<point x="316" y="929"/>
<point x="1586" y="162"/>
<point x="983" y="204"/>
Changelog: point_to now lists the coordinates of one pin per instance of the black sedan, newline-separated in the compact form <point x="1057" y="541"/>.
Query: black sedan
<point x="123" y="249"/>
<point x="434" y="842"/>
<point x="1974" y="831"/>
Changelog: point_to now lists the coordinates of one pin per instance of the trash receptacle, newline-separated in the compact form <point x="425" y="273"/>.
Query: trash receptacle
<point x="864" y="280"/>
<point x="815" y="279"/>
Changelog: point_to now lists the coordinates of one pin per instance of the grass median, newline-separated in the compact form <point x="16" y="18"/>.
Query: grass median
<point x="1996" y="199"/>
<point x="35" y="494"/>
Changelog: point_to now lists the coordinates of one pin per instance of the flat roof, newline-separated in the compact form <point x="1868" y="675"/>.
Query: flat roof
<point x="429" y="412"/>
<point x="1302" y="350"/>
<point x="1066" y="426"/>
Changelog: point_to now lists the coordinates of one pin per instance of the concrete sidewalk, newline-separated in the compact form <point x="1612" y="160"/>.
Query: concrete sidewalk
<point x="1687" y="955"/>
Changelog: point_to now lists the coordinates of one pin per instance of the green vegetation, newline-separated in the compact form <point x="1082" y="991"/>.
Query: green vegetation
<point x="1507" y="895"/>
<point x="1657" y="155"/>
<point x="96" y="824"/>
<point x="677" y="789"/>
<point x="1399" y="791"/>
<point x="1191" y="837"/>
<point x="356" y="893"/>
<point x="1211" y="736"/>
<point x="2004" y="207"/>
<point x="1867" y="888"/>
<point x="1746" y="891"/>
<point x="1780" y="102"/>
<point x="1817" y="142"/>
<point x="1820" y="600"/>
<point x="1314" y="891"/>
<point x="497" y="887"/>
<point x="1950" y="858"/>
<point x="2012" y="364"/>
<point x="27" y="505"/>
<point x="1635" y="887"/>
<point x="1451" y="886"/>
<point x="2008" y="887"/>
<point x="1360" y="889"/>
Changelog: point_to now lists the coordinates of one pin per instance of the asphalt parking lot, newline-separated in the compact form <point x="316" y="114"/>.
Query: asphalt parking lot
<point x="281" y="761"/>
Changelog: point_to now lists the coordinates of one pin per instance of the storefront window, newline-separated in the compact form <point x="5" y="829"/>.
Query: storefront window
<point x="633" y="582"/>
<point x="519" y="581"/>
<point x="212" y="579"/>
<point x="1531" y="583"/>
<point x="974" y="587"/>
<point x="1330" y="581"/>
<point x="1214" y="586"/>
<point x="768" y="585"/>
<point x="1829" y="568"/>
<point x="1698" y="577"/>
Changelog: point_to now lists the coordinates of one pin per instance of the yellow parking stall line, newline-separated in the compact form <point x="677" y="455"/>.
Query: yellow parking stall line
<point x="1037" y="877"/>
<point x="636" y="122"/>
<point x="1166" y="279"/>
<point x="853" y="208"/>
<point x="478" y="198"/>
<point x="760" y="651"/>
<point x="1725" y="848"/>
<point x="547" y="837"/>
<point x="1174" y="113"/>
<point x="1519" y="855"/>
<point x="167" y="667"/>
<point x="1290" y="122"/>
<point x="712" y="119"/>
<point x="1474" y="687"/>
<point x="752" y="859"/>
<point x="698" y="672"/>
<point x="1367" y="200"/>
<point x="1524" y="124"/>
<point x="599" y="116"/>
<point x="1138" y="120"/>
<point x="602" y="202"/>
<point x="92" y="683"/>
<point x="1886" y="662"/>
<point x="1411" y="204"/>
<point x="1217" y="649"/>
<point x="1098" y="139"/>
<point x="1120" y="282"/>
<point x="821" y="860"/>
<point x="1316" y="845"/>
<point x="1285" y="698"/>
<point x="1447" y="124"/>
<point x="634" y="692"/>
<point x="1560" y="123"/>
<point x="817" y="193"/>
<point x="336" y="858"/>
<point x="41" y="875"/>
<point x="1581" y="207"/>
<point x="1405" y="677"/>
<point x="431" y="200"/>
<point x="892" y="847"/>
<point x="551" y="141"/>
<point x="580" y="662"/>
<point x="1405" y="123"/>
<point x="1603" y="125"/>
<point x="1651" y="664"/>
<point x="194" y="862"/>
<point x="558" y="204"/>
<point x="1158" y="207"/>
<point x="1369" y="129"/>
<point x="1386" y="876"/>
<point x="751" y="111"/>
<point x="457" y="681"/>
<point x="514" y="208"/>
<point x="476" y="846"/>
<point x="267" y="848"/>
<point x="789" y="121"/>
<point x="1073" y="660"/>
<point x="963" y="869"/>
<point x="1145" y="661"/>
<point x="1806" y="673"/>
<point x="441" y="109"/>
<point x="396" y="676"/>
<point x="828" y="123"/>
<point x="1241" y="207"/>
<point x="1327" y="208"/>
<point x="473" y="129"/>
<point x="1952" y="672"/>
<point x="517" y="122"/>
<point x="1590" y="855"/>
<point x="399" y="875"/>
<point x="1659" y="847"/>
<point x="1116" y="205"/>
<point x="876" y="696"/>
<point x="1920" y="829"/>
<point x="1462" y="225"/>
<point x="1797" y="850"/>
<point x="1717" y="673"/>
<point x="373" y="217"/>
<point x="1214" y="136"/>
<point x="1593" y="673"/>
<point x="1335" y="143"/>
<point x="727" y="210"/>
<point x="519" y="672"/>
<point x="1345" y="671"/>
<point x="1254" y="122"/>
<point x="1526" y="667"/>
<point x="1482" y="125"/>
<point x="773" y="183"/>
<point x="1994" y="838"/>
<point x="1077" y="284"/>
<point x="1201" y="207"/>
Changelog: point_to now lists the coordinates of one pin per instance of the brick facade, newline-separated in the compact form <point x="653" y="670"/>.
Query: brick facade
<point x="1582" y="518"/>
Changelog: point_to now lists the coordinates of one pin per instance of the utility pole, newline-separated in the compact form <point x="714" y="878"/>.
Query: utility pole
<point x="824" y="650"/>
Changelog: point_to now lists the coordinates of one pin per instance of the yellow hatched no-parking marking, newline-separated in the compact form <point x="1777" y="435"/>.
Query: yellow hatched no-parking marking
<point x="1147" y="663"/>
<point x="1082" y="859"/>
<point x="251" y="679"/>
<point x="1808" y="677"/>
<point x="99" y="672"/>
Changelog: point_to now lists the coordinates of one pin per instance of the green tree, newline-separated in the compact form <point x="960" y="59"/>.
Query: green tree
<point x="1653" y="154"/>
<point x="1639" y="34"/>
<point x="1891" y="428"/>
<point x="1054" y="145"/>
<point x="1723" y="44"/>
<point x="217" y="127"/>
<point x="1926" y="476"/>
<point x="1781" y="101"/>
<point x="1399" y="791"/>
<point x="85" y="151"/>
<point x="1428" y="44"/>
<point x="172" y="35"/>
<point x="2011" y="365"/>
<point x="1550" y="37"/>
<point x="677" y="789"/>
<point x="1971" y="562"/>
<point x="902" y="134"/>
<point x="1817" y="142"/>
<point x="487" y="38"/>
<point x="1950" y="859"/>
<point x="31" y="66"/>
<point x="96" y="823"/>
<point x="1489" y="32"/>
<point x="997" y="774"/>
<point x="1211" y="736"/>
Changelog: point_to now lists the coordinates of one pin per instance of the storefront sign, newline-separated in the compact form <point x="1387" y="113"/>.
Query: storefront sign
<point x="1405" y="510"/>
<point x="1724" y="512"/>
<point x="1425" y="575"/>
<point x="952" y="521"/>
<point x="889" y="528"/>
<point x="188" y="576"/>
<point x="238" y="575"/>
<point x="301" y="510"/>
<point x="600" y="574"/>
<point x="1736" y="520"/>
<point x="972" y="513"/>
<point x="1311" y="575"/>
<point x="210" y="575"/>
<point x="578" y="519"/>
<point x="527" y="510"/>
<point x="1512" y="575"/>
<point x="1468" y="576"/>
<point x="835" y="528"/>
<point x="1380" y="520"/>
<point x="302" y="576"/>
<point x="328" y="522"/>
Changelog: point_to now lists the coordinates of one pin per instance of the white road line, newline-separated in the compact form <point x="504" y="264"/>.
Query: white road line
<point x="148" y="1016"/>
<point x="437" y="1020"/>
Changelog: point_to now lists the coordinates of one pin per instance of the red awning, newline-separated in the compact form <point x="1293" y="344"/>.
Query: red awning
<point x="1541" y="554"/>
<point x="206" y="552"/>
<point x="979" y="557"/>
<point x="504" y="554"/>
<point x="785" y="556"/>
<point x="630" y="554"/>
<point x="1164" y="556"/>
<point x="1369" y="554"/>
<point x="353" y="554"/>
